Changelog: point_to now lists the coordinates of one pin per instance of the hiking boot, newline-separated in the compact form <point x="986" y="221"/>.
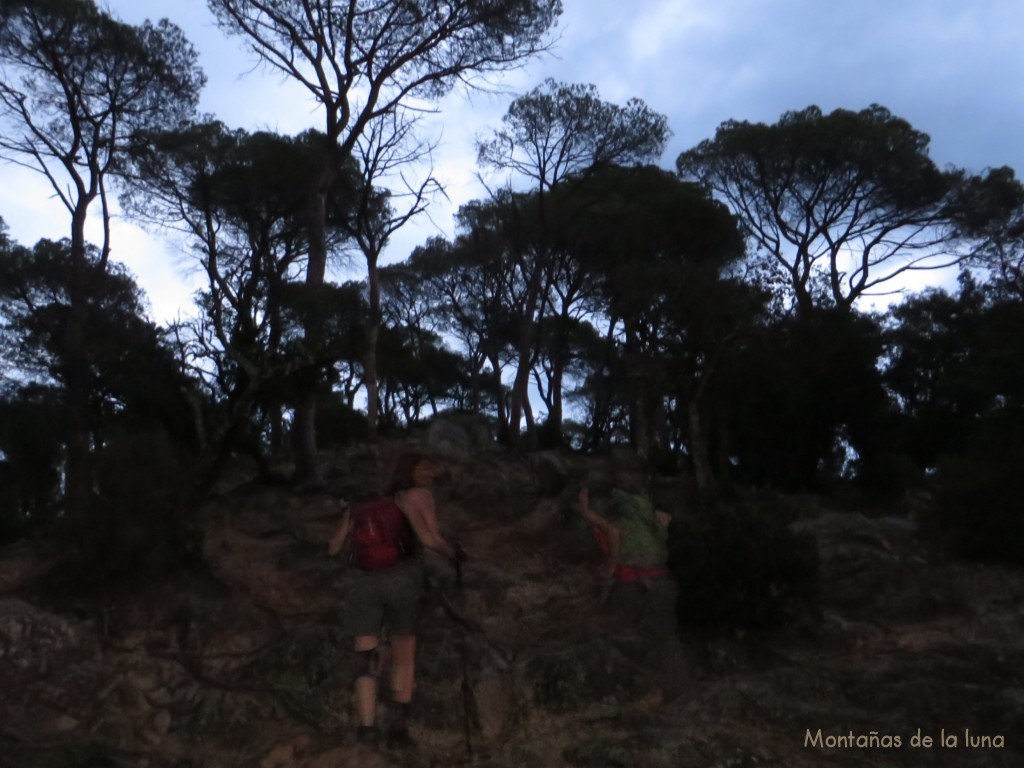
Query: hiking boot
<point x="368" y="734"/>
<point x="396" y="735"/>
<point x="398" y="738"/>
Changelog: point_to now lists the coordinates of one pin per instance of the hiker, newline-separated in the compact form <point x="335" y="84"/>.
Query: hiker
<point x="630" y="533"/>
<point x="640" y="594"/>
<point x="387" y="538"/>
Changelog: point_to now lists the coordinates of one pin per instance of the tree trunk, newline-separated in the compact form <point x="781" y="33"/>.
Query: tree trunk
<point x="307" y="467"/>
<point x="78" y="478"/>
<point x="700" y="453"/>
<point x="598" y="435"/>
<point x="552" y="437"/>
<point x="372" y="334"/>
<point x="276" y="426"/>
<point x="521" y="383"/>
<point x="641" y="405"/>
<point x="722" y="451"/>
<point x="527" y="335"/>
<point x="499" y="397"/>
<point x="642" y="426"/>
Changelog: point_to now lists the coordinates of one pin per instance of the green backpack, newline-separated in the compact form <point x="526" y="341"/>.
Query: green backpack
<point x="644" y="542"/>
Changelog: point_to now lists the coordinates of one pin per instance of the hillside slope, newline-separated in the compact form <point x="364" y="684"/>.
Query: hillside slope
<point x="244" y="662"/>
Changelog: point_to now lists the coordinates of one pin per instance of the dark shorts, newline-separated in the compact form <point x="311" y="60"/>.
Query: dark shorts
<point x="386" y="598"/>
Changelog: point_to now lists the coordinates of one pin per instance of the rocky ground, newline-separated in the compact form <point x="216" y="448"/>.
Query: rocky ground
<point x="243" y="662"/>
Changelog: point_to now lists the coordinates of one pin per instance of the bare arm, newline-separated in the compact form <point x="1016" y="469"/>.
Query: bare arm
<point x="610" y="530"/>
<point x="421" y="511"/>
<point x="338" y="539"/>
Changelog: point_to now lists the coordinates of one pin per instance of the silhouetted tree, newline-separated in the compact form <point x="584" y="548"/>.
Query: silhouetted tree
<point x="931" y="369"/>
<point x="362" y="60"/>
<point x="805" y="399"/>
<point x="242" y="200"/>
<point x="994" y="205"/>
<point x="418" y="372"/>
<point x="75" y="84"/>
<point x="384" y="153"/>
<point x="471" y="284"/>
<point x="659" y="249"/>
<point x="550" y="134"/>
<point x="840" y="204"/>
<point x="952" y="359"/>
<point x="955" y="365"/>
<point x="134" y="385"/>
<point x="33" y="428"/>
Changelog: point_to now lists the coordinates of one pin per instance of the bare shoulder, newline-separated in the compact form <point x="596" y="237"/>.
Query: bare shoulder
<point x="416" y="500"/>
<point x="597" y="519"/>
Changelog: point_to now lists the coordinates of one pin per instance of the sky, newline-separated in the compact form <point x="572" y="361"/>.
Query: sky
<point x="954" y="69"/>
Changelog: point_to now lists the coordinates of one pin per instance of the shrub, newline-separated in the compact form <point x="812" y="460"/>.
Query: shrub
<point x="339" y="425"/>
<point x="87" y="755"/>
<point x="134" y="525"/>
<point x="738" y="564"/>
<point x="977" y="510"/>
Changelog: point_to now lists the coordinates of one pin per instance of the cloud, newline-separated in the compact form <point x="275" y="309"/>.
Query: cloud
<point x="28" y="206"/>
<point x="163" y="269"/>
<point x="952" y="68"/>
<point x="658" y="28"/>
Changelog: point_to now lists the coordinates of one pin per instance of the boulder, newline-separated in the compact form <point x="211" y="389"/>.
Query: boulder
<point x="36" y="643"/>
<point x="868" y="564"/>
<point x="21" y="567"/>
<point x="458" y="436"/>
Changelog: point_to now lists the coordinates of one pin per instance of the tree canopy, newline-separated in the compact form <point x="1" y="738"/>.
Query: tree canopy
<point x="841" y="204"/>
<point x="76" y="84"/>
<point x="560" y="129"/>
<point x="710" y="318"/>
<point x="368" y="62"/>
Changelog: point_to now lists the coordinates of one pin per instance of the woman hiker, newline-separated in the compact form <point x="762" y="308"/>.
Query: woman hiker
<point x="388" y="536"/>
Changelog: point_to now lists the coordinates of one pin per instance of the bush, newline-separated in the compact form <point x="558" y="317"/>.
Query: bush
<point x="134" y="525"/>
<point x="32" y="426"/>
<point x="88" y="755"/>
<point x="977" y="510"/>
<point x="338" y="425"/>
<point x="739" y="565"/>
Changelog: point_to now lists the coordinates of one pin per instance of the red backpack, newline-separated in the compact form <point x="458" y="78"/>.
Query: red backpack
<point x="381" y="534"/>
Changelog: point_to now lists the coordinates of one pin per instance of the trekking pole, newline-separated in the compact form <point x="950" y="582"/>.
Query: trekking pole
<point x="466" y="691"/>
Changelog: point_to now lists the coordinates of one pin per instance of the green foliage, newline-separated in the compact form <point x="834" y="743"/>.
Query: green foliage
<point x="339" y="424"/>
<point x="387" y="52"/>
<point x="86" y="755"/>
<point x="134" y="526"/>
<point x="417" y="371"/>
<point x="90" y="80"/>
<point x="977" y="511"/>
<point x="799" y="393"/>
<point x="244" y="199"/>
<point x="934" y="368"/>
<point x="738" y="564"/>
<point x="130" y="380"/>
<point x="655" y="250"/>
<point x="32" y="424"/>
<point x="955" y="364"/>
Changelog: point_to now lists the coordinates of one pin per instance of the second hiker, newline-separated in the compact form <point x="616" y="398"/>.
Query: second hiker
<point x="639" y="592"/>
<point x="630" y="533"/>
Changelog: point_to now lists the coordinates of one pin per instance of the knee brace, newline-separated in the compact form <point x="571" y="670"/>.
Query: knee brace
<point x="370" y="663"/>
